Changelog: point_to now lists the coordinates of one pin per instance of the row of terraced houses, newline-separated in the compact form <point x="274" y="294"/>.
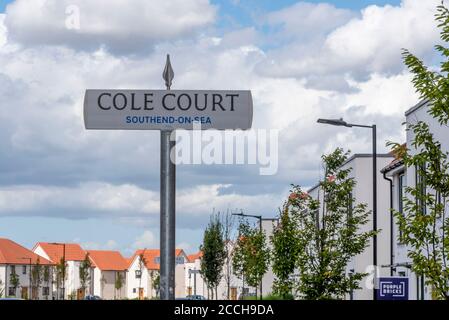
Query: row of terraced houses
<point x="110" y="275"/>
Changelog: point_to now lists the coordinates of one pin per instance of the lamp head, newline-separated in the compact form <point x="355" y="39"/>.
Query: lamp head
<point x="335" y="122"/>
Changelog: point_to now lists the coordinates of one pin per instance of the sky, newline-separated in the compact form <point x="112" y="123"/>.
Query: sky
<point x="301" y="60"/>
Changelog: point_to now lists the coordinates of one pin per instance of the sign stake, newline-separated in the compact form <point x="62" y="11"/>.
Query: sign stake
<point x="167" y="206"/>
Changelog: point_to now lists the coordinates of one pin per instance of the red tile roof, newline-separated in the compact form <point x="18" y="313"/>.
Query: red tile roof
<point x="73" y="251"/>
<point x="195" y="256"/>
<point x="398" y="159"/>
<point x="107" y="260"/>
<point x="150" y="256"/>
<point x="13" y="253"/>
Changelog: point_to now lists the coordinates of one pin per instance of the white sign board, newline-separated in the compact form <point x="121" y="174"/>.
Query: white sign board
<point x="167" y="109"/>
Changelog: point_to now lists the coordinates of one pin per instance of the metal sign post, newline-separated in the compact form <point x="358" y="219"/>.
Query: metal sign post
<point x="166" y="111"/>
<point x="167" y="203"/>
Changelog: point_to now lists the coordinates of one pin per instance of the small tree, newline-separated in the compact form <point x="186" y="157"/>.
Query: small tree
<point x="2" y="289"/>
<point x="424" y="224"/>
<point x="156" y="281"/>
<point x="118" y="285"/>
<point x="46" y="278"/>
<point x="329" y="240"/>
<point x="61" y="275"/>
<point x="36" y="279"/>
<point x="228" y="225"/>
<point x="251" y="255"/>
<point x="84" y="272"/>
<point x="284" y="254"/>
<point x="102" y="284"/>
<point x="214" y="254"/>
<point x="14" y="281"/>
<point x="142" y="267"/>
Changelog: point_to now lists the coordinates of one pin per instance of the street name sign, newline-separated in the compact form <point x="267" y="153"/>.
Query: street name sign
<point x="167" y="109"/>
<point x="393" y="288"/>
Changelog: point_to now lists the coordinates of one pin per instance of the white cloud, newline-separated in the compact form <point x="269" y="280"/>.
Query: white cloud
<point x="122" y="200"/>
<point x="307" y="20"/>
<point x="2" y="31"/>
<point x="375" y="40"/>
<point x="146" y="240"/>
<point x="117" y="24"/>
<point x="370" y="43"/>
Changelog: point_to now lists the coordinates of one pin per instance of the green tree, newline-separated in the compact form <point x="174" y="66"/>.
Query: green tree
<point x="14" y="281"/>
<point x="228" y="232"/>
<point x="46" y="278"/>
<point x="328" y="239"/>
<point x="61" y="275"/>
<point x="142" y="267"/>
<point x="84" y="272"/>
<point x="284" y="254"/>
<point x="36" y="279"/>
<point x="156" y="282"/>
<point x="251" y="255"/>
<point x="119" y="282"/>
<point x="424" y="225"/>
<point x="2" y="289"/>
<point x="214" y="254"/>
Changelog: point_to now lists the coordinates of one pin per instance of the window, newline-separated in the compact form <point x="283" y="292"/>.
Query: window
<point x="179" y="260"/>
<point x="421" y="186"/>
<point x="45" y="291"/>
<point x="134" y="290"/>
<point x="138" y="274"/>
<point x="401" y="194"/>
<point x="46" y="273"/>
<point x="24" y="269"/>
<point x="11" y="292"/>
<point x="350" y="205"/>
<point x="13" y="269"/>
<point x="157" y="260"/>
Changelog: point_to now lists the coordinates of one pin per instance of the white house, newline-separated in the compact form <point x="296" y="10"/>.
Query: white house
<point x="400" y="178"/>
<point x="361" y="171"/>
<point x="141" y="275"/>
<point x="73" y="254"/>
<point x="109" y="274"/>
<point x="195" y="284"/>
<point x="16" y="263"/>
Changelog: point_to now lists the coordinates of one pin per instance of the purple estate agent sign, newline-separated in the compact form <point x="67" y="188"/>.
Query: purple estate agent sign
<point x="393" y="288"/>
<point x="167" y="109"/>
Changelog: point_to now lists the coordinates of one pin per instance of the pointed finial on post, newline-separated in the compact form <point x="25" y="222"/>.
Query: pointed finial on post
<point x="168" y="73"/>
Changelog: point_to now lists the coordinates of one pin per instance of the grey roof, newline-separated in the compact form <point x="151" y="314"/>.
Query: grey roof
<point x="416" y="107"/>
<point x="393" y="165"/>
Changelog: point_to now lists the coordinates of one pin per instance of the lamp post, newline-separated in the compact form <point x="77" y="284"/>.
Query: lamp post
<point x="29" y="289"/>
<point x="259" y="217"/>
<point x="194" y="272"/>
<point x="63" y="268"/>
<point x="342" y="123"/>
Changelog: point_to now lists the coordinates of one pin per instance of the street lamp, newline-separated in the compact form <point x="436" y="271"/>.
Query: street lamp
<point x="241" y="214"/>
<point x="194" y="271"/>
<point x="63" y="267"/>
<point x="29" y="289"/>
<point x="341" y="122"/>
